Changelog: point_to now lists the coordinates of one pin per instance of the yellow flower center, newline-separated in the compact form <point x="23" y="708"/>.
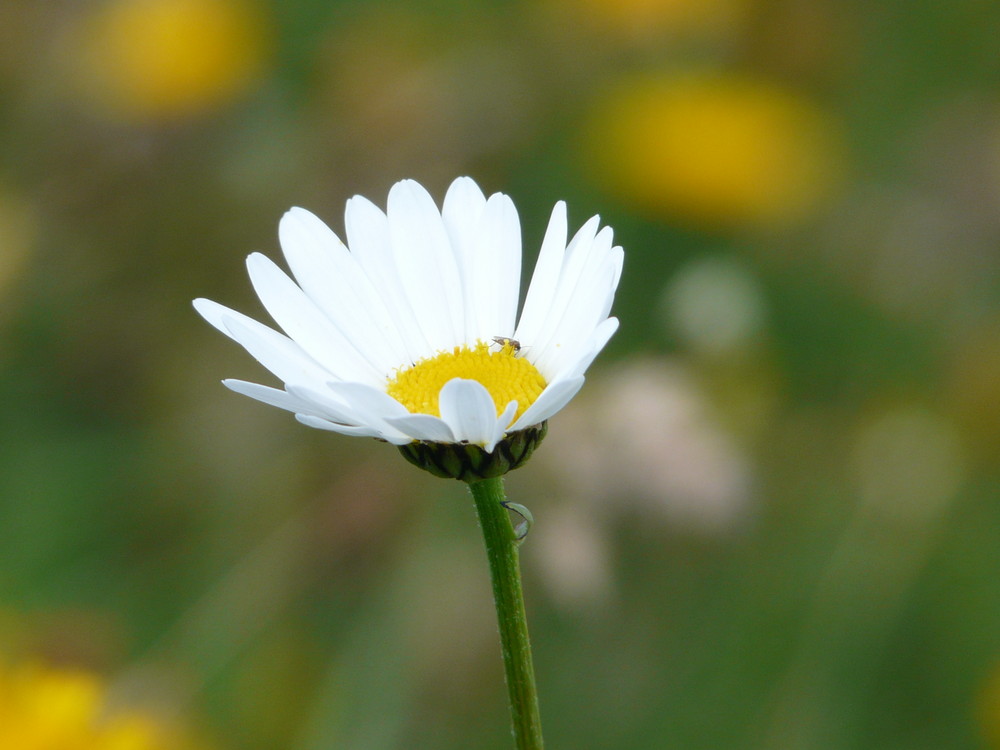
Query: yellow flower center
<point x="505" y="375"/>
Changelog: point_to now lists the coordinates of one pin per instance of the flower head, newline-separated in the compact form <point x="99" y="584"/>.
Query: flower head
<point x="410" y="333"/>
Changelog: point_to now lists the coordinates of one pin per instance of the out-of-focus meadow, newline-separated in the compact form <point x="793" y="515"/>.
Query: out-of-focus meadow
<point x="770" y="520"/>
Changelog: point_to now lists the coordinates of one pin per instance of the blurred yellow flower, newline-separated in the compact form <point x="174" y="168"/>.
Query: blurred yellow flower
<point x="45" y="708"/>
<point x="162" y="59"/>
<point x="714" y="150"/>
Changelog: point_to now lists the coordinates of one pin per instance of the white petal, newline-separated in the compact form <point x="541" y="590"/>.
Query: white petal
<point x="542" y="288"/>
<point x="576" y="361"/>
<point x="619" y="253"/>
<point x="368" y="236"/>
<point x="551" y="400"/>
<point x="468" y="409"/>
<point x="463" y="205"/>
<point x="610" y="271"/>
<point x="579" y="254"/>
<point x="581" y="257"/>
<point x="500" y="427"/>
<point x="598" y="341"/>
<point x="462" y="212"/>
<point x="580" y="251"/>
<point x="372" y="406"/>
<point x="425" y="427"/>
<point x="343" y="429"/>
<point x="577" y="326"/>
<point x="427" y="267"/>
<point x="271" y="396"/>
<point x="366" y="398"/>
<point x="586" y="289"/>
<point x="276" y="352"/>
<point x="496" y="278"/>
<point x="332" y="278"/>
<point x="508" y="266"/>
<point x="213" y="312"/>
<point x="305" y="324"/>
<point x="327" y="405"/>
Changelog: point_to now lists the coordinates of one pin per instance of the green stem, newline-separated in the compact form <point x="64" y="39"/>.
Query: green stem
<point x="501" y="549"/>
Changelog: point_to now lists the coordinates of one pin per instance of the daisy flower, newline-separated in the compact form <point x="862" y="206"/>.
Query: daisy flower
<point x="409" y="333"/>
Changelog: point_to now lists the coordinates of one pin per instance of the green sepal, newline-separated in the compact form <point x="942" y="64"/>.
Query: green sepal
<point x="470" y="463"/>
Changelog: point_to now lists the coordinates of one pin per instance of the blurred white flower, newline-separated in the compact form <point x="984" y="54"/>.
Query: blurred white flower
<point x="411" y="333"/>
<point x="714" y="305"/>
<point x="644" y="438"/>
<point x="575" y="556"/>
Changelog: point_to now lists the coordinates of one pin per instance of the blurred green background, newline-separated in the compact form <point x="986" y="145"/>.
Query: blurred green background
<point x="770" y="520"/>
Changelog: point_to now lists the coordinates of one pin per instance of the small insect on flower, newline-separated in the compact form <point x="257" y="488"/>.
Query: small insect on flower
<point x="503" y="341"/>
